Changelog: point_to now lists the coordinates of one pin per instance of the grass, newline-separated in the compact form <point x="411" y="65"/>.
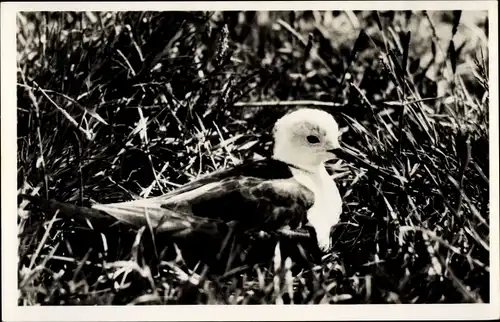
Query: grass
<point x="116" y="106"/>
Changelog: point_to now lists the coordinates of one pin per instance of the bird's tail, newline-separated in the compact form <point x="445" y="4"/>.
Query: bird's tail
<point x="136" y="213"/>
<point x="67" y="209"/>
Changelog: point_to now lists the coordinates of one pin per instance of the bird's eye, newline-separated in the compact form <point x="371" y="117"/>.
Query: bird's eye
<point x="312" y="139"/>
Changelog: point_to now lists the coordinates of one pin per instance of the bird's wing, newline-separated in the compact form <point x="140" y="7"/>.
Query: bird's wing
<point x="260" y="195"/>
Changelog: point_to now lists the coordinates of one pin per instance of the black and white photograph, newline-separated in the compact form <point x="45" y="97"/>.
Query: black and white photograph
<point x="333" y="156"/>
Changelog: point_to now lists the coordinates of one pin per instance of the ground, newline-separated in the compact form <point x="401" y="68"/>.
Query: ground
<point x="115" y="106"/>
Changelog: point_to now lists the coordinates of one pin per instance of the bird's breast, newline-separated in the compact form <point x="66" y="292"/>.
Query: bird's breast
<point x="327" y="205"/>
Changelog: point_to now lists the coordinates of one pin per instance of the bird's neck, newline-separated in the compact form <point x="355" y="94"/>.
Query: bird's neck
<point x="299" y="160"/>
<point x="315" y="169"/>
<point x="316" y="179"/>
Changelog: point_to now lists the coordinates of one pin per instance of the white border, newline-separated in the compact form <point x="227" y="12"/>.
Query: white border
<point x="10" y="310"/>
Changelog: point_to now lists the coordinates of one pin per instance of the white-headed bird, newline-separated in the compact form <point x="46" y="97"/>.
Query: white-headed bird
<point x="289" y="190"/>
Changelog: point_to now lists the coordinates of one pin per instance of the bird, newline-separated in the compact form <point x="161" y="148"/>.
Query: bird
<point x="289" y="190"/>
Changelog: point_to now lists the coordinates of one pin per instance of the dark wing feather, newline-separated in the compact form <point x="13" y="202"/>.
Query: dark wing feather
<point x="253" y="202"/>
<point x="257" y="195"/>
<point x="263" y="169"/>
<point x="260" y="195"/>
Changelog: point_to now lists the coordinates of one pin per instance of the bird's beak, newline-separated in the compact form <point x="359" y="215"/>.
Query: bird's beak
<point x="334" y="150"/>
<point x="345" y="153"/>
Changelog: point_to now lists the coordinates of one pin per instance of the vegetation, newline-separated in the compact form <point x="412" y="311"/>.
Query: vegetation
<point x="116" y="106"/>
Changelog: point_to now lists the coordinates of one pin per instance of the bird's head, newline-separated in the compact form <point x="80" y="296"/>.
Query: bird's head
<point x="306" y="138"/>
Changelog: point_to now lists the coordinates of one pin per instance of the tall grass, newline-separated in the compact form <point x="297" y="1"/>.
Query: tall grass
<point x="116" y="106"/>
